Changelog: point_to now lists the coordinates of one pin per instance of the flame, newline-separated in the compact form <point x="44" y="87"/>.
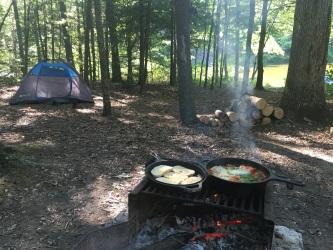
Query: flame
<point x="212" y="236"/>
<point x="234" y="222"/>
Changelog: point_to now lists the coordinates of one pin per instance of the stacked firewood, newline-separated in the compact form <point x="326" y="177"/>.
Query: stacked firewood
<point x="246" y="112"/>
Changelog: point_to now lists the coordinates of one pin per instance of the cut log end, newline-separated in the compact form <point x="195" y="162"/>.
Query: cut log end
<point x="278" y="113"/>
<point x="266" y="121"/>
<point x="268" y="110"/>
<point x="259" y="103"/>
<point x="233" y="117"/>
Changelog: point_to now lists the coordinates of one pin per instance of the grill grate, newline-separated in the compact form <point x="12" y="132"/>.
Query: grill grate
<point x="208" y="196"/>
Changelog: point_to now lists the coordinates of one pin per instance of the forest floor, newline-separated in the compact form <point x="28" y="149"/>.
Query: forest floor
<point x="66" y="171"/>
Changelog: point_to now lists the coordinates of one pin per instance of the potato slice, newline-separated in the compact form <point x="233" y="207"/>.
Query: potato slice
<point x="167" y="180"/>
<point x="176" y="177"/>
<point x="183" y="170"/>
<point x="191" y="180"/>
<point x="161" y="170"/>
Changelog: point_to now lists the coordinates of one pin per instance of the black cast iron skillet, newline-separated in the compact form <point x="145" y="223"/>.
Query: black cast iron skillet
<point x="197" y="167"/>
<point x="246" y="189"/>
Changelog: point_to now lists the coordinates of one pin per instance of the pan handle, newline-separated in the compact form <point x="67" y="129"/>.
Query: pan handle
<point x="155" y="156"/>
<point x="195" y="188"/>
<point x="290" y="183"/>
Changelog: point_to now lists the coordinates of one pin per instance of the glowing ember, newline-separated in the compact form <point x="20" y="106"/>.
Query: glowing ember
<point x="211" y="236"/>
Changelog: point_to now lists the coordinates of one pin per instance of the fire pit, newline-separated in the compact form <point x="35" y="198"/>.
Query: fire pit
<point x="163" y="218"/>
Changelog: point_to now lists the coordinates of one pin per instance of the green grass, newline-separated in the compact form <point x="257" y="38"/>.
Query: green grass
<point x="275" y="75"/>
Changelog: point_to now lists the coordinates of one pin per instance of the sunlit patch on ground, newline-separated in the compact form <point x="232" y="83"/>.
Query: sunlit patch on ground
<point x="86" y="111"/>
<point x="126" y="121"/>
<point x="11" y="137"/>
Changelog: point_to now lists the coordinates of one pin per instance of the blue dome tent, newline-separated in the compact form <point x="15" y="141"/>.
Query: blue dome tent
<point x="52" y="81"/>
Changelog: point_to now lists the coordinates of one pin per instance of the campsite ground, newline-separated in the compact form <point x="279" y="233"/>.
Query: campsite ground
<point x="66" y="171"/>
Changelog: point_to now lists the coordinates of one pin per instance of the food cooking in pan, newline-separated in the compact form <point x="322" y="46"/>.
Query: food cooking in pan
<point x="176" y="175"/>
<point x="242" y="173"/>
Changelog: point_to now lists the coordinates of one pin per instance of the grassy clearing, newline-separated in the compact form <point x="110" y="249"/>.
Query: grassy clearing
<point x="275" y="75"/>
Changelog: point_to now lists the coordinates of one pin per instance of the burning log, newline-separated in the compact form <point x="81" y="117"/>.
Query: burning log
<point x="278" y="113"/>
<point x="233" y="117"/>
<point x="204" y="118"/>
<point x="266" y="121"/>
<point x="214" y="122"/>
<point x="268" y="110"/>
<point x="259" y="103"/>
<point x="219" y="114"/>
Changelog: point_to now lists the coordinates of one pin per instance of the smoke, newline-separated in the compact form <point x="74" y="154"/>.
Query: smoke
<point x="241" y="130"/>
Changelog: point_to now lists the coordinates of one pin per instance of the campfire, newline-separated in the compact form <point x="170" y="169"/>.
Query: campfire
<point x="210" y="217"/>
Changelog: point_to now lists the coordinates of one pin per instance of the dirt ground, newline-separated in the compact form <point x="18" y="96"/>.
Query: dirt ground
<point x="66" y="171"/>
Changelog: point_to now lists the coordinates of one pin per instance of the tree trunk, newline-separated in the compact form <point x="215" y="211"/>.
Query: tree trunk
<point x="185" y="87"/>
<point x="304" y="94"/>
<point x="26" y="36"/>
<point x="226" y="39"/>
<point x="236" y="74"/>
<point x="93" y="55"/>
<point x="102" y="58"/>
<point x="79" y="35"/>
<point x="173" y="66"/>
<point x="260" y="66"/>
<point x="111" y="21"/>
<point x="204" y="50"/>
<point x="45" y="17"/>
<point x="87" y="28"/>
<point x="209" y="44"/>
<point x="38" y="33"/>
<point x="195" y="63"/>
<point x="145" y="7"/>
<point x="248" y="47"/>
<point x="52" y="32"/>
<point x="5" y="16"/>
<point x="142" y="45"/>
<point x="66" y="36"/>
<point x="19" y="36"/>
<point x="129" y="49"/>
<point x="217" y="43"/>
<point x="147" y="35"/>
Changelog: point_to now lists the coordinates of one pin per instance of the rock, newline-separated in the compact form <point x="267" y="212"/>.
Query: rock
<point x="11" y="228"/>
<point x="285" y="238"/>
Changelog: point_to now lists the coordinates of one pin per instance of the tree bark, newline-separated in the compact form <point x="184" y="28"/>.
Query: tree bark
<point x="26" y="36"/>
<point x="129" y="50"/>
<point x="304" y="94"/>
<point x="195" y="63"/>
<point x="102" y="58"/>
<point x="248" y="47"/>
<point x="19" y="36"/>
<point x="66" y="36"/>
<point x="209" y="44"/>
<point x="5" y="16"/>
<point x="185" y="87"/>
<point x="173" y="66"/>
<point x="236" y="74"/>
<point x="226" y="39"/>
<point x="216" y="43"/>
<point x="112" y="25"/>
<point x="87" y="28"/>
<point x="260" y="66"/>
<point x="204" y="49"/>
<point x="79" y="35"/>
<point x="142" y="45"/>
<point x="93" y="55"/>
<point x="52" y="32"/>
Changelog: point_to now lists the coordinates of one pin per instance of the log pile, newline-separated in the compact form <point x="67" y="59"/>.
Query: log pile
<point x="246" y="112"/>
